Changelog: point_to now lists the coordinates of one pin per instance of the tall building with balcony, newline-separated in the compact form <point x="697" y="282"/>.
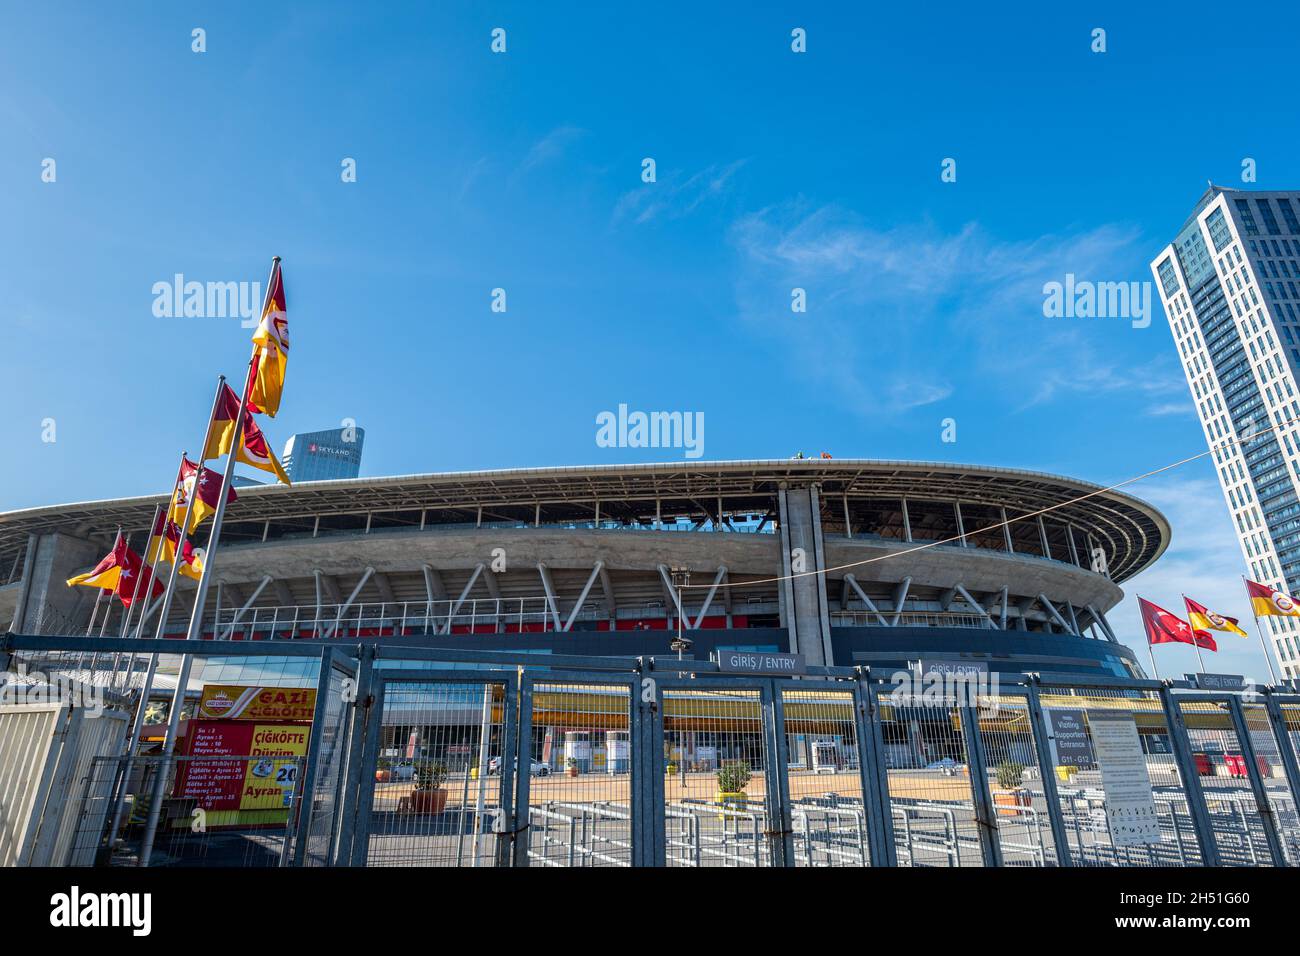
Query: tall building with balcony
<point x="1230" y="284"/>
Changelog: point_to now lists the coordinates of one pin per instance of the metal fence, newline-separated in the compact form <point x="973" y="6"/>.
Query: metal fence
<point x="437" y="757"/>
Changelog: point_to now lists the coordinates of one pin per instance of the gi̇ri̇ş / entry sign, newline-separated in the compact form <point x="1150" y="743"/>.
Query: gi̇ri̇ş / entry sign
<point x="1130" y="805"/>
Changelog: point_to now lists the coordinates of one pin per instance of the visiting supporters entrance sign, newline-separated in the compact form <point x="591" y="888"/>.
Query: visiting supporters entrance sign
<point x="1130" y="805"/>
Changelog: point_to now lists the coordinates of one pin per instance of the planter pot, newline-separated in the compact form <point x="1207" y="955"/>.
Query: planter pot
<point x="1010" y="800"/>
<point x="732" y="800"/>
<point x="572" y="771"/>
<point x="428" y="802"/>
<point x="383" y="776"/>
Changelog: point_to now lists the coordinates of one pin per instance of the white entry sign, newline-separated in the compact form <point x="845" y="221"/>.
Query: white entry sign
<point x="1130" y="805"/>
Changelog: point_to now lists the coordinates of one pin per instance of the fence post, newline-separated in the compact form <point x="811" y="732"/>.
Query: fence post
<point x="523" y="817"/>
<point x="350" y="772"/>
<point x="986" y="822"/>
<point x="1047" y="771"/>
<point x="875" y="798"/>
<point x="365" y="801"/>
<point x="1191" y="781"/>
<point x="523" y="767"/>
<point x="652" y="835"/>
<point x="1277" y="719"/>
<point x="779" y="821"/>
<point x="1262" y="802"/>
<point x="308" y="803"/>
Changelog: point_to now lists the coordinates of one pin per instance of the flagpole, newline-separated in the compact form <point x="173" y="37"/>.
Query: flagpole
<point x="1196" y="641"/>
<point x="94" y="657"/>
<point x="201" y="593"/>
<point x="1259" y="632"/>
<point x="135" y="596"/>
<point x="1152" y="654"/>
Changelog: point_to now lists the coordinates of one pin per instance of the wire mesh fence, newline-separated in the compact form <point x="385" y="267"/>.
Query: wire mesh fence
<point x="449" y="764"/>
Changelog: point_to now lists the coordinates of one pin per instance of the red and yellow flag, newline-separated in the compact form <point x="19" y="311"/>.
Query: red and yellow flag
<point x="271" y="348"/>
<point x="107" y="573"/>
<point x="162" y="546"/>
<point x="134" y="566"/>
<point x="1163" y="627"/>
<point x="1203" y="620"/>
<point x="253" y="449"/>
<point x="205" y="487"/>
<point x="1269" y="603"/>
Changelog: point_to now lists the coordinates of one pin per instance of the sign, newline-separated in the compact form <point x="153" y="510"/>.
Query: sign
<point x="1070" y="737"/>
<point x="1218" y="681"/>
<point x="240" y="702"/>
<point x="259" y="783"/>
<point x="767" y="663"/>
<point x="1130" y="805"/>
<point x="950" y="668"/>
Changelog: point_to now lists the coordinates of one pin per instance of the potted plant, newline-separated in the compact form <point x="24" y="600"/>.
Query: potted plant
<point x="733" y="778"/>
<point x="671" y="768"/>
<point x="1011" y="794"/>
<point x="571" y="765"/>
<point x="428" y="797"/>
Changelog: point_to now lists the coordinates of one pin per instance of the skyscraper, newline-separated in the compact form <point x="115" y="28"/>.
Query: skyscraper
<point x="325" y="455"/>
<point x="1230" y="284"/>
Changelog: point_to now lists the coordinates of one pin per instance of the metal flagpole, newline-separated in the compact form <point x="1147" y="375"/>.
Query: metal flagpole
<point x="201" y="592"/>
<point x="94" y="658"/>
<point x="146" y="686"/>
<point x="1196" y="641"/>
<point x="1152" y="654"/>
<point x="135" y="592"/>
<point x="1263" y="645"/>
<point x="1259" y="632"/>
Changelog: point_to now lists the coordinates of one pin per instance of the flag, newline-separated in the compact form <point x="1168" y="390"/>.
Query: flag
<point x="162" y="546"/>
<point x="1164" y="627"/>
<point x="205" y="485"/>
<point x="1203" y="620"/>
<point x="133" y="566"/>
<point x="271" y="348"/>
<point x="254" y="449"/>
<point x="1269" y="603"/>
<point x="107" y="573"/>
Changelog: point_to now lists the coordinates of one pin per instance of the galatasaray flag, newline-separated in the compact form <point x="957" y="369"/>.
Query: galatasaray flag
<point x="254" y="449"/>
<point x="162" y="545"/>
<point x="271" y="348"/>
<point x="205" y="485"/>
<point x="107" y="573"/>
<point x="1164" y="628"/>
<point x="1269" y="603"/>
<point x="132" y="567"/>
<point x="1203" y="620"/>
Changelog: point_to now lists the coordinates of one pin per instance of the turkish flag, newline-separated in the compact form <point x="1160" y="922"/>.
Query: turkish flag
<point x="132" y="567"/>
<point x="1163" y="627"/>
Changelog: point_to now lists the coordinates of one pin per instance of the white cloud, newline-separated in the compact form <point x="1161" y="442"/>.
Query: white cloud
<point x="675" y="194"/>
<point x="896" y="316"/>
<point x="550" y="147"/>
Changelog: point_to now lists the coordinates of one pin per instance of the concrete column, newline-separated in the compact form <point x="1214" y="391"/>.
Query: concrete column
<point x="805" y="611"/>
<point x="48" y="605"/>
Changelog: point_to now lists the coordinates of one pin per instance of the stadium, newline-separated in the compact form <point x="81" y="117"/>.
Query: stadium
<point x="585" y="560"/>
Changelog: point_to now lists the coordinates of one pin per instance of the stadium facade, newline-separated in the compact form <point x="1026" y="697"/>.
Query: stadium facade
<point x="1230" y="285"/>
<point x="582" y="560"/>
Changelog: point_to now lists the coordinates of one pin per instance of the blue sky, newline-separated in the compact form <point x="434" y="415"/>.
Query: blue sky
<point x="522" y="171"/>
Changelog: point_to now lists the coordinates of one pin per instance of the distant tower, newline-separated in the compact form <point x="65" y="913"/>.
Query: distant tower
<point x="325" y="455"/>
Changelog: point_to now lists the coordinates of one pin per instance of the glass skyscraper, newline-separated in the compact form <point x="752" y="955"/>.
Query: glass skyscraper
<point x="1230" y="284"/>
<point x="324" y="456"/>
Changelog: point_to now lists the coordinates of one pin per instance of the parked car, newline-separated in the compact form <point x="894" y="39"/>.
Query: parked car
<point x="536" y="768"/>
<point x="947" y="765"/>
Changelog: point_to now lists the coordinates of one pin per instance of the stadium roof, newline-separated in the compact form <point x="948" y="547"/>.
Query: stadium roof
<point x="1135" y="532"/>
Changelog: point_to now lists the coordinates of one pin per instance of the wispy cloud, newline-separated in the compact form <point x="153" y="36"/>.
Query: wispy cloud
<point x="675" y="194"/>
<point x="550" y="147"/>
<point x="1204" y="562"/>
<point x="896" y="316"/>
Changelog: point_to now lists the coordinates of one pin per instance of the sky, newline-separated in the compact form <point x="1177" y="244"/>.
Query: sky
<point x="523" y="171"/>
